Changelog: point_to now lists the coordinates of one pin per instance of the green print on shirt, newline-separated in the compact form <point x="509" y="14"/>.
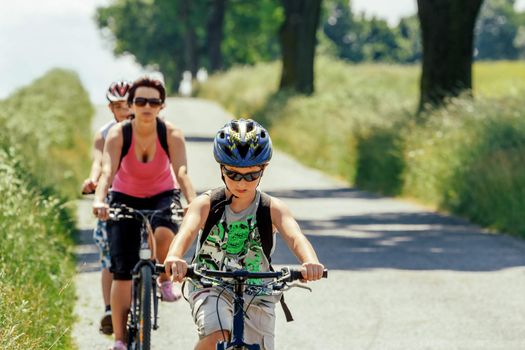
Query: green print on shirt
<point x="238" y="233"/>
<point x="253" y="264"/>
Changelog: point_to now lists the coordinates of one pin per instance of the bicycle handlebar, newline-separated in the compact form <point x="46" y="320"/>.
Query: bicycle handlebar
<point x="288" y="274"/>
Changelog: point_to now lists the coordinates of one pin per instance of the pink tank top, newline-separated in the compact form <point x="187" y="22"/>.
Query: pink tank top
<point x="143" y="180"/>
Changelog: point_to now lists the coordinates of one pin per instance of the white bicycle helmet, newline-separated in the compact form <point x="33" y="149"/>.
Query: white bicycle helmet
<point x="118" y="91"/>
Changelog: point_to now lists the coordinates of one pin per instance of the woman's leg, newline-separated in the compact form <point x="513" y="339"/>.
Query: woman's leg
<point x="120" y="304"/>
<point x="163" y="238"/>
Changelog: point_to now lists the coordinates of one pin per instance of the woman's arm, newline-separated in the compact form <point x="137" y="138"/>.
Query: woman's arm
<point x="110" y="164"/>
<point x="289" y="229"/>
<point x="194" y="220"/>
<point x="177" y="148"/>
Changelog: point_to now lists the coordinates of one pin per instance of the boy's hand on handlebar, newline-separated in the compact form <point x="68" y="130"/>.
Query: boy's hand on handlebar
<point x="312" y="271"/>
<point x="176" y="268"/>
<point x="101" y="210"/>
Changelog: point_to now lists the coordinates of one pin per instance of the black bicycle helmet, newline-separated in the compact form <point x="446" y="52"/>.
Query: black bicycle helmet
<point x="242" y="143"/>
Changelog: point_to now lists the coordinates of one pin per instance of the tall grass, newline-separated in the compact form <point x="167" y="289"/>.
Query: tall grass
<point x="40" y="139"/>
<point x="361" y="125"/>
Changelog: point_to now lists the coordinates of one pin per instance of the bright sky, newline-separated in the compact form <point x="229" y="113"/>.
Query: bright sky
<point x="37" y="35"/>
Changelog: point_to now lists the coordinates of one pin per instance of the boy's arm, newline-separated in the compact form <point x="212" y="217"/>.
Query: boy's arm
<point x="110" y="163"/>
<point x="194" y="219"/>
<point x="90" y="184"/>
<point x="289" y="229"/>
<point x="177" y="148"/>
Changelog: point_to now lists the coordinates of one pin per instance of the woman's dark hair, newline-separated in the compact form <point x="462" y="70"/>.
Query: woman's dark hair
<point x="146" y="82"/>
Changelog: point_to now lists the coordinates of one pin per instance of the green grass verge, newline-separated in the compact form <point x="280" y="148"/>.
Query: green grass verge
<point x="42" y="139"/>
<point x="361" y="126"/>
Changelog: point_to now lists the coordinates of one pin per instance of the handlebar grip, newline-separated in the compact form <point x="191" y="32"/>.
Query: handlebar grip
<point x="159" y="268"/>
<point x="190" y="273"/>
<point x="296" y="274"/>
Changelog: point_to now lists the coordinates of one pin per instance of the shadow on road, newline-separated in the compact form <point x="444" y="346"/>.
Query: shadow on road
<point x="331" y="193"/>
<point x="199" y="139"/>
<point x="86" y="252"/>
<point x="400" y="240"/>
<point x="392" y="240"/>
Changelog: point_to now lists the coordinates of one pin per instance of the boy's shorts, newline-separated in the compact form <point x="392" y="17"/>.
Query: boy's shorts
<point x="259" y="321"/>
<point x="100" y="235"/>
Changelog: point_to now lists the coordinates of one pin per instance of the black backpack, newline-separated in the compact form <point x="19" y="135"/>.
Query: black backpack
<point x="127" y="134"/>
<point x="264" y="225"/>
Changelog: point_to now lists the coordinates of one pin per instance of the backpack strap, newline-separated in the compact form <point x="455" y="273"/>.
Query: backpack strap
<point x="218" y="202"/>
<point x="126" y="135"/>
<point x="127" y="132"/>
<point x="264" y="225"/>
<point x="162" y="134"/>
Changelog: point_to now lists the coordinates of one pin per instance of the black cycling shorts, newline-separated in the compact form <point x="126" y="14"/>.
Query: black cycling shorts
<point x="124" y="235"/>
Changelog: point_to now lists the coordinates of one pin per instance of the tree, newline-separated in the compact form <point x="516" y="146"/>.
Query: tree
<point x="496" y="30"/>
<point x="409" y="39"/>
<point x="358" y="38"/>
<point x="215" y="30"/>
<point x="177" y="35"/>
<point x="447" y="28"/>
<point x="298" y="40"/>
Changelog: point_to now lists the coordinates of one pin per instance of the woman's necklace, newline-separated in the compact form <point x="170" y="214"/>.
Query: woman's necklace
<point x="144" y="149"/>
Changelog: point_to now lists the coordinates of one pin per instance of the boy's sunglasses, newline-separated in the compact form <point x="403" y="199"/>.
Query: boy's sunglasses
<point x="235" y="176"/>
<point x="142" y="101"/>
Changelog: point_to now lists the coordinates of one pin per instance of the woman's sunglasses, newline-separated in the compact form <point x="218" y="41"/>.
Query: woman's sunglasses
<point x="142" y="101"/>
<point x="235" y="176"/>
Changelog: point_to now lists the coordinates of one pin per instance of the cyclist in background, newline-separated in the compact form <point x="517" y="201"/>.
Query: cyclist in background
<point x="149" y="172"/>
<point x="239" y="238"/>
<point x="117" y="95"/>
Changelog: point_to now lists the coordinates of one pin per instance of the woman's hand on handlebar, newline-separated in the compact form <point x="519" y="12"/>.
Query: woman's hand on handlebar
<point x="101" y="210"/>
<point x="312" y="271"/>
<point x="176" y="268"/>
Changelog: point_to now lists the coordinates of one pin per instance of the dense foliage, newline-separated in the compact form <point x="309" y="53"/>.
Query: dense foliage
<point x="43" y="154"/>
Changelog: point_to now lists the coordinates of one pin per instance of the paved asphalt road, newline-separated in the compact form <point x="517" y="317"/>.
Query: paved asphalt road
<point x="400" y="277"/>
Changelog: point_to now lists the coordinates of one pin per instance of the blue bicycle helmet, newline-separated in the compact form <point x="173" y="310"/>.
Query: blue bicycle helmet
<point x="242" y="143"/>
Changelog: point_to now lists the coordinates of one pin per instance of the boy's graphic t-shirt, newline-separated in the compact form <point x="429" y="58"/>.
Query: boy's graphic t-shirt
<point x="234" y="243"/>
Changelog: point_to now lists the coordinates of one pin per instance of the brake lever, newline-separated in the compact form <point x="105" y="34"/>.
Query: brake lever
<point x="296" y="285"/>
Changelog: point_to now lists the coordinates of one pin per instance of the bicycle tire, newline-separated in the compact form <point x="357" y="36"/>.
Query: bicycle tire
<point x="145" y="290"/>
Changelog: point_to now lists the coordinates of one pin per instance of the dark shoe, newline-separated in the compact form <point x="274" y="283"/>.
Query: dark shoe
<point x="106" y="325"/>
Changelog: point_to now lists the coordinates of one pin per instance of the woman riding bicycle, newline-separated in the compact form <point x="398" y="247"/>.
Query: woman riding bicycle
<point x="144" y="173"/>
<point x="240" y="238"/>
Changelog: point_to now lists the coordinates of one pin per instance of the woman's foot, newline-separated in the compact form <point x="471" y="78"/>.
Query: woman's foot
<point x="119" y="345"/>
<point x="168" y="292"/>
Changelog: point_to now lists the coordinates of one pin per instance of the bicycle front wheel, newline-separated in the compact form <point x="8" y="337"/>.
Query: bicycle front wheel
<point x="145" y="287"/>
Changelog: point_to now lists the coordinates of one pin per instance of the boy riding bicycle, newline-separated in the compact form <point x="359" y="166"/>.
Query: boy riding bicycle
<point x="236" y="226"/>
